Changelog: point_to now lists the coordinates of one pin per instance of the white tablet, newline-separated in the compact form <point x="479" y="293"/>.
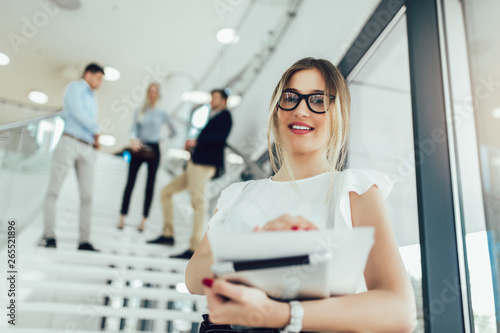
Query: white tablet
<point x="298" y="277"/>
<point x="344" y="253"/>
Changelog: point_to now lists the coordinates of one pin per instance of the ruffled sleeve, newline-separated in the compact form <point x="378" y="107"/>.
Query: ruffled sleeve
<point x="359" y="181"/>
<point x="225" y="199"/>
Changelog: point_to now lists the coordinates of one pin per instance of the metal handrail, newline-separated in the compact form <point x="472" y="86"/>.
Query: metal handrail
<point x="255" y="168"/>
<point x="54" y="111"/>
<point x="22" y="123"/>
<point x="29" y="106"/>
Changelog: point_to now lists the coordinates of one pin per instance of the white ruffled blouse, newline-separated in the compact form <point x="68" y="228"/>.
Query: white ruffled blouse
<point x="246" y="205"/>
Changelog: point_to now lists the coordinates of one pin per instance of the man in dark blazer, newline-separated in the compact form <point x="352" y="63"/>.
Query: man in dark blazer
<point x="207" y="161"/>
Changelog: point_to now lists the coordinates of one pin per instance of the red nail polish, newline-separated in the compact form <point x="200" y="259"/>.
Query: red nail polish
<point x="295" y="228"/>
<point x="307" y="228"/>
<point x="207" y="282"/>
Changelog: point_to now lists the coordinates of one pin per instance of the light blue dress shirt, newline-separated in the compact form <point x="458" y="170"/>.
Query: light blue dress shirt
<point x="148" y="130"/>
<point x="80" y="111"/>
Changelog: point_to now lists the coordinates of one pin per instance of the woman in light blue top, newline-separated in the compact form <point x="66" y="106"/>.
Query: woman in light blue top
<point x="144" y="139"/>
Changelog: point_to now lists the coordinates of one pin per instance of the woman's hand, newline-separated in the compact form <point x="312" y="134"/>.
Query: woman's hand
<point x="288" y="222"/>
<point x="135" y="145"/>
<point x="230" y="303"/>
<point x="189" y="144"/>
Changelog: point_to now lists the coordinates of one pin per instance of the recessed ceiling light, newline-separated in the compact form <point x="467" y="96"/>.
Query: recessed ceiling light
<point x="107" y="140"/>
<point x="38" y="97"/>
<point x="4" y="59"/>
<point x="496" y="113"/>
<point x="227" y="36"/>
<point x="111" y="74"/>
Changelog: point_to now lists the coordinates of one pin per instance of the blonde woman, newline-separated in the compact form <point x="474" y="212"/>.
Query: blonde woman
<point x="309" y="120"/>
<point x="144" y="146"/>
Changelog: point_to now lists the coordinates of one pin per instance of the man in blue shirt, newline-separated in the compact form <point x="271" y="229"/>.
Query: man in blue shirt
<point x="76" y="149"/>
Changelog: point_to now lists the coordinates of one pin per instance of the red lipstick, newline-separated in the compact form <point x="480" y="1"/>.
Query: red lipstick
<point x="300" y="128"/>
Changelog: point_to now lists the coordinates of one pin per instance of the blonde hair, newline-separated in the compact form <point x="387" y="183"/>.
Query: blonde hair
<point x="147" y="102"/>
<point x="337" y="116"/>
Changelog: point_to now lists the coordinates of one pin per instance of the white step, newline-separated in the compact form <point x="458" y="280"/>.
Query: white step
<point x="51" y="330"/>
<point x="79" y="289"/>
<point x="106" y="311"/>
<point x="77" y="271"/>
<point x="84" y="257"/>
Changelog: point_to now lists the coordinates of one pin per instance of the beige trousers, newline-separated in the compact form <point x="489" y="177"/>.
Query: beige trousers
<point x="70" y="153"/>
<point x="194" y="179"/>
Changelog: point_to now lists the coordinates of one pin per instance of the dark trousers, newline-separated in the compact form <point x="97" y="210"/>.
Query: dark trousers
<point x="135" y="164"/>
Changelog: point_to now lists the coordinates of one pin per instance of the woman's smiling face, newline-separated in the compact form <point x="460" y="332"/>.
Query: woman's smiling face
<point x="302" y="130"/>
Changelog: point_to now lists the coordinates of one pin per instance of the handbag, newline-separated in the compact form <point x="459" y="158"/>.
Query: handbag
<point x="146" y="153"/>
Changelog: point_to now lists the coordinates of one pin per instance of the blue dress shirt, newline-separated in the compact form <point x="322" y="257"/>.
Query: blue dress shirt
<point x="80" y="111"/>
<point x="148" y="130"/>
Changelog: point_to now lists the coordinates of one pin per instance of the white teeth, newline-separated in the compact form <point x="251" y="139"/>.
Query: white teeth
<point x="301" y="127"/>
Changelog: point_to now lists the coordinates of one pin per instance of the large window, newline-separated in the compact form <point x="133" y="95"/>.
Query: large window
<point x="381" y="138"/>
<point x="472" y="48"/>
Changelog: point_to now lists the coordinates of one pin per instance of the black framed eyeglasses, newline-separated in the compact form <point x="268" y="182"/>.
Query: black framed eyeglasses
<point x="315" y="102"/>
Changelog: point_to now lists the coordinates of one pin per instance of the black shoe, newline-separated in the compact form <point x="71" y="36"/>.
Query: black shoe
<point x="50" y="243"/>
<point x="186" y="255"/>
<point x="164" y="240"/>
<point x="87" y="247"/>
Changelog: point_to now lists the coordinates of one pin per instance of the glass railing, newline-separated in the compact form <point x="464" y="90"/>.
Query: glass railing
<point x="28" y="135"/>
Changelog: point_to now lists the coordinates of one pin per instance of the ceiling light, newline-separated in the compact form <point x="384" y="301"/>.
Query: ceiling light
<point x="107" y="140"/>
<point x="233" y="101"/>
<point x="228" y="36"/>
<point x="496" y="113"/>
<point x="196" y="97"/>
<point x="111" y="74"/>
<point x="38" y="97"/>
<point x="4" y="59"/>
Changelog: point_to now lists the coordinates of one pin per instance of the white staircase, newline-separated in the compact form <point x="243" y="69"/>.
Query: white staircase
<point x="129" y="286"/>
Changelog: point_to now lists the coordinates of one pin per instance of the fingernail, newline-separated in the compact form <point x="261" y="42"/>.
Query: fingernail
<point x="207" y="282"/>
<point x="307" y="228"/>
<point x="295" y="228"/>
